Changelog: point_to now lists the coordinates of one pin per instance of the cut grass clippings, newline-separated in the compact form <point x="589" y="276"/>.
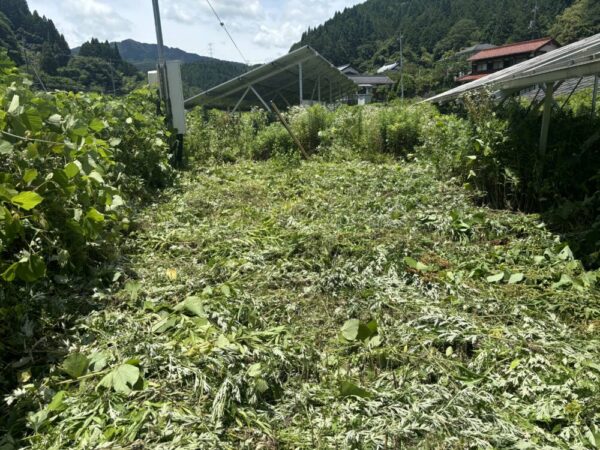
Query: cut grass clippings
<point x="330" y="305"/>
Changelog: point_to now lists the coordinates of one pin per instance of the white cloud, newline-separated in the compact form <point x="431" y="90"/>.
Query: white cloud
<point x="94" y="18"/>
<point x="189" y="12"/>
<point x="282" y="36"/>
<point x="293" y="18"/>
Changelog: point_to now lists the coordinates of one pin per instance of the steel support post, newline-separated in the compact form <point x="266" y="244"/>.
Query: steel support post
<point x="548" y="104"/>
<point x="301" y="83"/>
<point x="261" y="99"/>
<point x="595" y="95"/>
<point x="237" y="105"/>
<point x="319" y="82"/>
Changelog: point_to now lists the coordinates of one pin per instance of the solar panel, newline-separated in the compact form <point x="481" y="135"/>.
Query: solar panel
<point x="279" y="81"/>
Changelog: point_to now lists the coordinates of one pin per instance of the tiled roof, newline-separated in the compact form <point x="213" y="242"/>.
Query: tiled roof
<point x="467" y="78"/>
<point x="512" y="49"/>
<point x="370" y="79"/>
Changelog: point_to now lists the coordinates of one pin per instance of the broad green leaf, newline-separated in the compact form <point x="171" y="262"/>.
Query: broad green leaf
<point x="255" y="370"/>
<point x="223" y="341"/>
<point x="416" y="265"/>
<point x="122" y="379"/>
<point x="27" y="200"/>
<point x="10" y="274"/>
<point x="71" y="170"/>
<point x="350" y="329"/>
<point x="226" y="290"/>
<point x="57" y="403"/>
<point x="31" y="269"/>
<point x="514" y="364"/>
<point x="516" y="278"/>
<point x="94" y="215"/>
<point x="497" y="278"/>
<point x="76" y="365"/>
<point x="194" y="305"/>
<point x="116" y="202"/>
<point x="349" y="389"/>
<point x="565" y="280"/>
<point x="30" y="175"/>
<point x="81" y="131"/>
<point x="94" y="175"/>
<point x="566" y="254"/>
<point x="33" y="120"/>
<point x="164" y="325"/>
<point x="97" y="125"/>
<point x="98" y="361"/>
<point x="365" y="331"/>
<point x="449" y="351"/>
<point x="6" y="148"/>
<point x="55" y="119"/>
<point x="14" y="105"/>
<point x="7" y="192"/>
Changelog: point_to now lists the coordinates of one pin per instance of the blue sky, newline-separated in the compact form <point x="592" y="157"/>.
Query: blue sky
<point x="264" y="29"/>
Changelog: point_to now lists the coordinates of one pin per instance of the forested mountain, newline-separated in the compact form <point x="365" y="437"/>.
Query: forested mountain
<point x="33" y="42"/>
<point x="144" y="56"/>
<point x="367" y="35"/>
<point x="199" y="72"/>
<point x="201" y="75"/>
<point x="22" y="31"/>
<point x="99" y="66"/>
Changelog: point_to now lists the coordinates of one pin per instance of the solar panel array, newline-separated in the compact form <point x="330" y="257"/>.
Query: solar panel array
<point x="279" y="81"/>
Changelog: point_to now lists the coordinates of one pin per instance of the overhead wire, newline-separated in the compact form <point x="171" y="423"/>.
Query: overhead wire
<point x="228" y="33"/>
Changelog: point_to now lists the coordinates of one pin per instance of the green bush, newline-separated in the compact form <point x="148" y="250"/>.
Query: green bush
<point x="219" y="136"/>
<point x="71" y="164"/>
<point x="271" y="141"/>
<point x="309" y="124"/>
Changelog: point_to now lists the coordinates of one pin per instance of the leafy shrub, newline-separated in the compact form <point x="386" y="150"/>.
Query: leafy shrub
<point x="70" y="164"/>
<point x="271" y="141"/>
<point x="309" y="124"/>
<point x="219" y="136"/>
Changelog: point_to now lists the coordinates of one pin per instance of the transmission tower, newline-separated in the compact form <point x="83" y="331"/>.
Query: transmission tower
<point x="533" y="25"/>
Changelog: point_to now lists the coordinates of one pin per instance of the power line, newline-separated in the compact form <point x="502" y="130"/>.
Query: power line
<point x="227" y="31"/>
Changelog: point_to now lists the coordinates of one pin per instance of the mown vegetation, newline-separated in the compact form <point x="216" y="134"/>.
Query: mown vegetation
<point x="370" y="297"/>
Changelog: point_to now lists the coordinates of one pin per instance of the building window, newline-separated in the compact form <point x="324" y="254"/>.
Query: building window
<point x="482" y="67"/>
<point x="498" y="65"/>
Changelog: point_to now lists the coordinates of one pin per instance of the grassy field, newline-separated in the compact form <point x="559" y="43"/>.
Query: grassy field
<point x="326" y="305"/>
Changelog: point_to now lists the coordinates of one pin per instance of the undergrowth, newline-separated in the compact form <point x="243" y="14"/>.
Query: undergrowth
<point x="344" y="304"/>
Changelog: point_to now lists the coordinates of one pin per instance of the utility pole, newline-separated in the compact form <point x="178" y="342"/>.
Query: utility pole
<point x="159" y="34"/>
<point x="171" y="89"/>
<point x="401" y="68"/>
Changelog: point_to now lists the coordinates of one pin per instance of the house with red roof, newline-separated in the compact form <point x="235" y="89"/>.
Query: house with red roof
<point x="494" y="59"/>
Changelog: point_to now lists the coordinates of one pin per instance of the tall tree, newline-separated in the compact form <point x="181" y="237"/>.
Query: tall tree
<point x="581" y="20"/>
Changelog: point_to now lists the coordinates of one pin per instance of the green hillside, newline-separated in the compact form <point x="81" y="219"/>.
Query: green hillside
<point x="23" y="31"/>
<point x="367" y="35"/>
<point x="199" y="72"/>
